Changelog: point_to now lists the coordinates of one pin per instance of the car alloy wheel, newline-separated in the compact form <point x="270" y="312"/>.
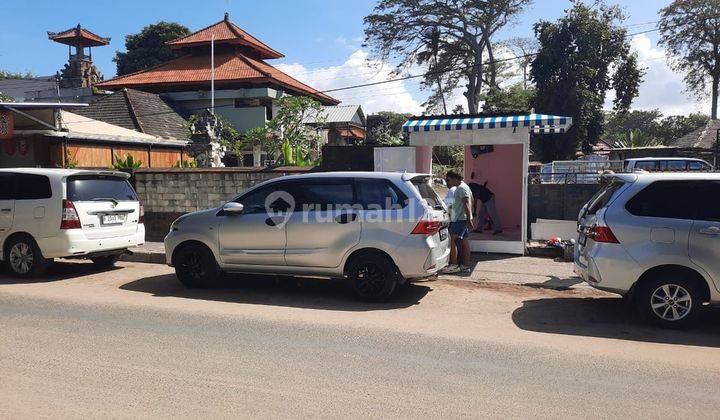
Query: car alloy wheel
<point x="671" y="302"/>
<point x="193" y="266"/>
<point x="370" y="279"/>
<point x="21" y="258"/>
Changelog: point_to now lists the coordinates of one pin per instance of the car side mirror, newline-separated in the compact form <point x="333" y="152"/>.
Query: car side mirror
<point x="233" y="208"/>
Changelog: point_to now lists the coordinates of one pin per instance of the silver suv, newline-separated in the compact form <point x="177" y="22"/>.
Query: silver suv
<point x="374" y="229"/>
<point x="656" y="238"/>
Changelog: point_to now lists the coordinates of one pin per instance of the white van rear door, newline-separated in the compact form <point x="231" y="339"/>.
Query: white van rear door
<point x="106" y="204"/>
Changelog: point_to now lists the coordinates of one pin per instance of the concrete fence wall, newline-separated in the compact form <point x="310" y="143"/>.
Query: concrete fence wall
<point x="170" y="193"/>
<point x="558" y="201"/>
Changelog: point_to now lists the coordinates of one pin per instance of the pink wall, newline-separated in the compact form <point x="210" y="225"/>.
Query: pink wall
<point x="423" y="159"/>
<point x="503" y="170"/>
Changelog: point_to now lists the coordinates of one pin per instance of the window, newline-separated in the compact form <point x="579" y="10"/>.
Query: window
<point x="326" y="194"/>
<point x="256" y="201"/>
<point x="96" y="187"/>
<point x="379" y="194"/>
<point x="668" y="199"/>
<point x="676" y="165"/>
<point x="694" y="165"/>
<point x="647" y="165"/>
<point x="710" y="193"/>
<point x="427" y="193"/>
<point x="602" y="197"/>
<point x="7" y="186"/>
<point x="32" y="187"/>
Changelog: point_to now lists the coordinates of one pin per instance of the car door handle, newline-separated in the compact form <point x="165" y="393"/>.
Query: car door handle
<point x="270" y="222"/>
<point x="6" y="210"/>
<point x="712" y="230"/>
<point x="346" y="218"/>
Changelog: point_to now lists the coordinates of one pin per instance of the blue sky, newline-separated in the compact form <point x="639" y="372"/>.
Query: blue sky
<point x="320" y="38"/>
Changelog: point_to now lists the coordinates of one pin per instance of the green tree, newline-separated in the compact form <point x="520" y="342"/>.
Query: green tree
<point x="618" y="124"/>
<point x="147" y="48"/>
<point x="515" y="99"/>
<point x="690" y="29"/>
<point x="9" y="75"/>
<point x="675" y="126"/>
<point x="385" y="128"/>
<point x="572" y="72"/>
<point x="451" y="38"/>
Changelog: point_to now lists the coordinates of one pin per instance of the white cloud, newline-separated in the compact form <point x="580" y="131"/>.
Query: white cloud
<point x="357" y="69"/>
<point x="662" y="88"/>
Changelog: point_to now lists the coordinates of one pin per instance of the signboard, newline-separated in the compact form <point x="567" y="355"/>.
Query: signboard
<point x="7" y="123"/>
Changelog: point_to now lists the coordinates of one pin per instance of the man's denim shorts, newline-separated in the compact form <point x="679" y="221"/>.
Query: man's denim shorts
<point x="460" y="229"/>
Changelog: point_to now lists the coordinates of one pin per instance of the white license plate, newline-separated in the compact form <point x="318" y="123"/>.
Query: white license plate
<point x="113" y="219"/>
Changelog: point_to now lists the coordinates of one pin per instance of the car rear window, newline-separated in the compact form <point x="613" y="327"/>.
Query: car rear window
<point x="602" y="197"/>
<point x="95" y="187"/>
<point x="428" y="193"/>
<point x="688" y="200"/>
<point x="379" y="194"/>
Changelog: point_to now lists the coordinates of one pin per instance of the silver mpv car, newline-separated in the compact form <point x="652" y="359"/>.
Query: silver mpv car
<point x="656" y="238"/>
<point x="374" y="229"/>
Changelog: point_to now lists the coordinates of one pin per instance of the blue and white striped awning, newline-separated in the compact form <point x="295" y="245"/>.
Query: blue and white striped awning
<point x="535" y="123"/>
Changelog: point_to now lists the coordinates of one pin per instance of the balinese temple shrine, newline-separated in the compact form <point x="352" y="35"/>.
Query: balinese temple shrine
<point x="79" y="71"/>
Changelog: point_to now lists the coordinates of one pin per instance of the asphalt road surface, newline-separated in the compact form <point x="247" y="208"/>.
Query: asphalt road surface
<point x="133" y="343"/>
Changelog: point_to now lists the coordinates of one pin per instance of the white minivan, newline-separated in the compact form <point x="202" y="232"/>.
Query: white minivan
<point x="66" y="213"/>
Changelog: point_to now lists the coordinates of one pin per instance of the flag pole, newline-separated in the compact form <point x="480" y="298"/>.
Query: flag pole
<point x="212" y="74"/>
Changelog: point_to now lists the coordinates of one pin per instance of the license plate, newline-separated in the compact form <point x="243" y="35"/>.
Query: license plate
<point x="582" y="239"/>
<point x="113" y="219"/>
<point x="443" y="234"/>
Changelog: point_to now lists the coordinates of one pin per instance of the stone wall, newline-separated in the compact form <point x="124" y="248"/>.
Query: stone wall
<point x="558" y="201"/>
<point x="170" y="193"/>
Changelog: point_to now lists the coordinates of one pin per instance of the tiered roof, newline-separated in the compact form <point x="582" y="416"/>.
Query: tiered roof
<point x="239" y="59"/>
<point x="226" y="33"/>
<point x="78" y="37"/>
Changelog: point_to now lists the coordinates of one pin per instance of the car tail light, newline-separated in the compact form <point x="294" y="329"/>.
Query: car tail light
<point x="70" y="219"/>
<point x="602" y="234"/>
<point x="427" y="227"/>
<point x="141" y="219"/>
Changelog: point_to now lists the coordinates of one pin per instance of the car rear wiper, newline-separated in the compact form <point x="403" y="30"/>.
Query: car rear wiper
<point x="114" y="201"/>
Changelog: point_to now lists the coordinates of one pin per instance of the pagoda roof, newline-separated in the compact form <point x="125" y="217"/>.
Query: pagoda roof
<point x="78" y="36"/>
<point x="226" y="33"/>
<point x="231" y="67"/>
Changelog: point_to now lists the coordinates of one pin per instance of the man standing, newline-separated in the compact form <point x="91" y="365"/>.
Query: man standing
<point x="486" y="197"/>
<point x="461" y="219"/>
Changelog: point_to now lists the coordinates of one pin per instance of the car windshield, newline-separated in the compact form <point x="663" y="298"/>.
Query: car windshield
<point x="97" y="187"/>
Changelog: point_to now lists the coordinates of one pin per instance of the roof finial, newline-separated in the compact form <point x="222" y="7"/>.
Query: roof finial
<point x="227" y="16"/>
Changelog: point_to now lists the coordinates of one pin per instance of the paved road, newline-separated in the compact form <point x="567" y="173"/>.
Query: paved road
<point x="131" y="342"/>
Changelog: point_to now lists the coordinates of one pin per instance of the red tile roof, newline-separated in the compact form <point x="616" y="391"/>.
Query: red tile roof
<point x="78" y="36"/>
<point x="230" y="67"/>
<point x="354" y="132"/>
<point x="225" y="32"/>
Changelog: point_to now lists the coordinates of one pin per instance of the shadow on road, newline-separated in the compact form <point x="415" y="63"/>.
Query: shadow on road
<point x="58" y="271"/>
<point x="283" y="291"/>
<point x="608" y="318"/>
<point x="556" y="283"/>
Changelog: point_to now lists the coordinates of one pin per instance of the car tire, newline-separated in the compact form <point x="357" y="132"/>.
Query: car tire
<point x="24" y="258"/>
<point x="195" y="267"/>
<point x="670" y="300"/>
<point x="105" y="261"/>
<point x="373" y="278"/>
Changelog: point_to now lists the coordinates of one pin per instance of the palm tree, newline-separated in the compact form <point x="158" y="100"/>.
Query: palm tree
<point x="637" y="139"/>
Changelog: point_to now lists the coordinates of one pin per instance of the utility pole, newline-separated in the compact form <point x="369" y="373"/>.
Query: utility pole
<point x="212" y="74"/>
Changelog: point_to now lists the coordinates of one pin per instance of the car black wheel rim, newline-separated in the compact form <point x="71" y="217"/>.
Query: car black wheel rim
<point x="193" y="266"/>
<point x="21" y="258"/>
<point x="671" y="302"/>
<point x="370" y="279"/>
